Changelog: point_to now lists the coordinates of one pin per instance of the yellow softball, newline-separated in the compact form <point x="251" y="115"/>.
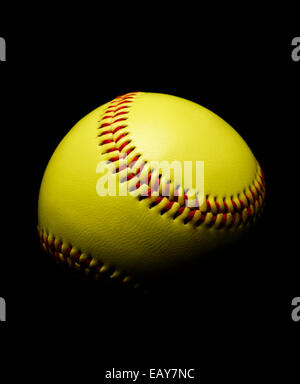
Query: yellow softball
<point x="106" y="205"/>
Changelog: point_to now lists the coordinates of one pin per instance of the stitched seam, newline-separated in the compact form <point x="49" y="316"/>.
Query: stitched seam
<point x="73" y="257"/>
<point x="115" y="142"/>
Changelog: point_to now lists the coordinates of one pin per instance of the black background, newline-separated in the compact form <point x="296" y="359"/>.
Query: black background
<point x="54" y="75"/>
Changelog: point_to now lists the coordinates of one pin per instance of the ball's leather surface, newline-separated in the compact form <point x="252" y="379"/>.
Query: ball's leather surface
<point x="132" y="237"/>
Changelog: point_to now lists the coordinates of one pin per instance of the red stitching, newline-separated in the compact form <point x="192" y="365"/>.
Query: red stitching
<point x="120" y="113"/>
<point x="111" y="150"/>
<point x="107" y="141"/>
<point x="64" y="256"/>
<point x="115" y="130"/>
<point x="133" y="161"/>
<point x="123" y="145"/>
<point x="218" y="206"/>
<point x="226" y="207"/>
<point x="104" y="125"/>
<point x="113" y="159"/>
<point x="129" y="151"/>
<point x="168" y="206"/>
<point x="122" y="107"/>
<point x="104" y="133"/>
<point x="121" y="137"/>
<point x="122" y="103"/>
<point x="121" y="119"/>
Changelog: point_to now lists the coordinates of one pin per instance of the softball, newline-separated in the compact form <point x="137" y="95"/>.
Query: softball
<point x="146" y="185"/>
